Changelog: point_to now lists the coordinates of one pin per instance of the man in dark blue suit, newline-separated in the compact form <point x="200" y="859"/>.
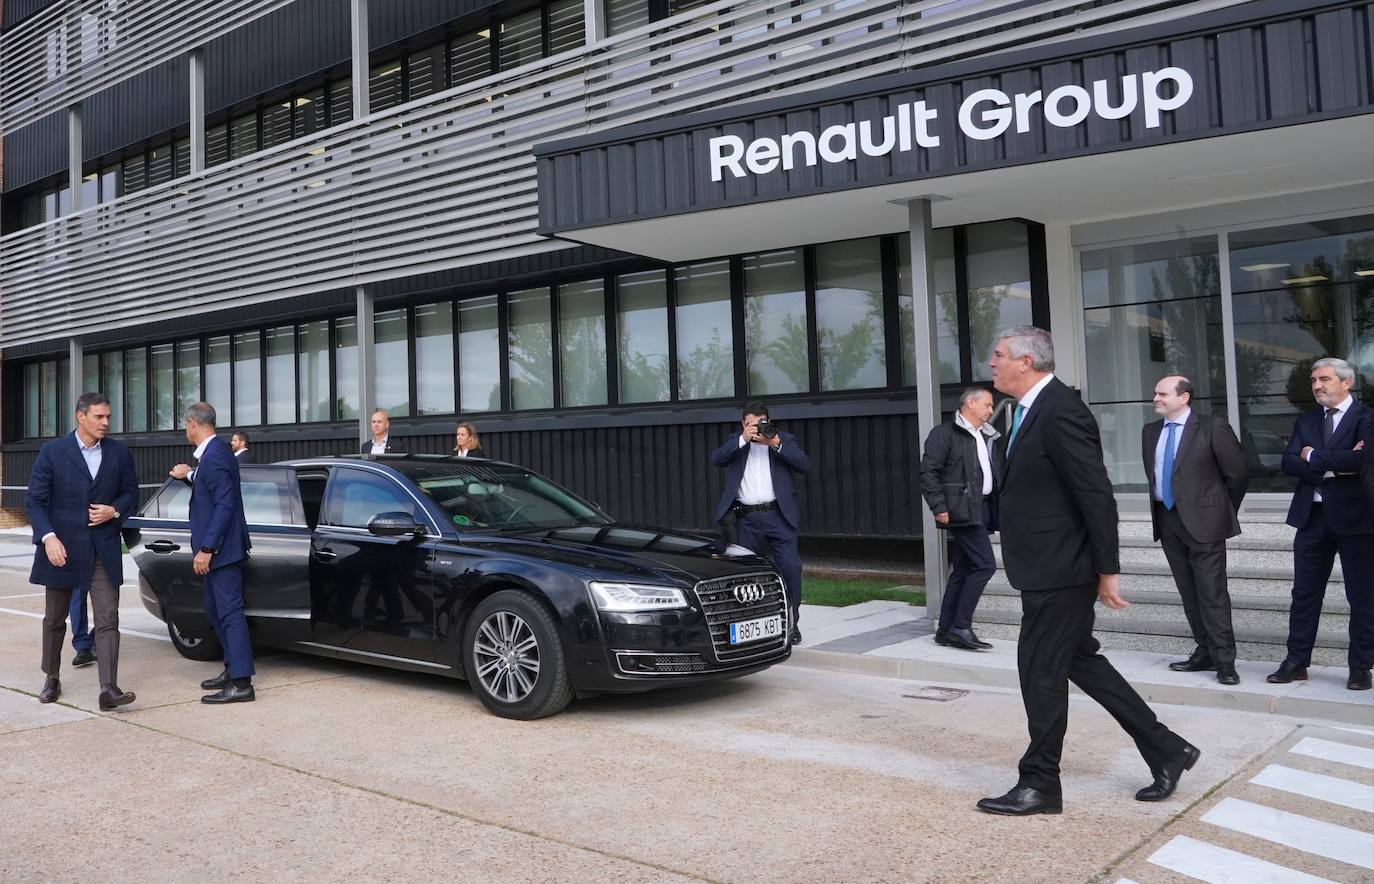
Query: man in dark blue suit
<point x="219" y="534"/>
<point x="759" y="464"/>
<point x="1334" y="515"/>
<point x="82" y="488"/>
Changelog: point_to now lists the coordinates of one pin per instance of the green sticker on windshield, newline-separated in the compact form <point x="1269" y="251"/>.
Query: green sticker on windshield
<point x="461" y="520"/>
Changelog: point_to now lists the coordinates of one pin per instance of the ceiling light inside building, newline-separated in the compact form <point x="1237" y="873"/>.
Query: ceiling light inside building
<point x="1260" y="268"/>
<point x="1369" y="272"/>
<point x="1304" y="280"/>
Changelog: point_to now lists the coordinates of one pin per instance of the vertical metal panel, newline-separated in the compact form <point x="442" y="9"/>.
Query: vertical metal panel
<point x="976" y="151"/>
<point x="1017" y="145"/>
<point x="389" y="22"/>
<point x="1243" y="99"/>
<point x="295" y="41"/>
<point x="1338" y="53"/>
<point x="867" y="167"/>
<point x="620" y="162"/>
<point x="147" y="105"/>
<point x="1285" y="58"/>
<point x="1153" y="58"/>
<point x="946" y="156"/>
<point x="36" y="151"/>
<point x="649" y="175"/>
<point x="1201" y="112"/>
<point x="678" y="189"/>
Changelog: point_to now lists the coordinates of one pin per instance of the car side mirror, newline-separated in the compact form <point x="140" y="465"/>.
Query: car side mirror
<point x="394" y="525"/>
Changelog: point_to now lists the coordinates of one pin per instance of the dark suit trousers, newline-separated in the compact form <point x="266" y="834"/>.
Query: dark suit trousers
<point x="1315" y="548"/>
<point x="1199" y="571"/>
<point x="105" y="605"/>
<point x="224" y="608"/>
<point x="768" y="534"/>
<point x="971" y="567"/>
<point x="1056" y="647"/>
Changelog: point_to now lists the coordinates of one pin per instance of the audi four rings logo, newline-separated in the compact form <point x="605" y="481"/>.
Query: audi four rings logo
<point x="748" y="592"/>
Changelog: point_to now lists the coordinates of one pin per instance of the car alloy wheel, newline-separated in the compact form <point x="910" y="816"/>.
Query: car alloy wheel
<point x="513" y="656"/>
<point x="192" y="647"/>
<point x="507" y="655"/>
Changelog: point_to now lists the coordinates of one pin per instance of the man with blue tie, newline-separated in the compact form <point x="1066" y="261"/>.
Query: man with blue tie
<point x="82" y="488"/>
<point x="1196" y="470"/>
<point x="1334" y="516"/>
<point x="759" y="464"/>
<point x="219" y="534"/>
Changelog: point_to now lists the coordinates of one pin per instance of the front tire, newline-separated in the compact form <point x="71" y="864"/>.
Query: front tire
<point x="514" y="659"/>
<point x="192" y="647"/>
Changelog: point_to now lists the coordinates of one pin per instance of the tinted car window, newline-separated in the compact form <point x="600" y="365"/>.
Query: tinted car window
<point x="266" y="501"/>
<point x="355" y="496"/>
<point x="492" y="497"/>
<point x="173" y="502"/>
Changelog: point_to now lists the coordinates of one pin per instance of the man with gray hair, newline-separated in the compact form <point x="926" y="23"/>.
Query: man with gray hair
<point x="959" y="473"/>
<point x="1060" y="547"/>
<point x="1334" y="516"/>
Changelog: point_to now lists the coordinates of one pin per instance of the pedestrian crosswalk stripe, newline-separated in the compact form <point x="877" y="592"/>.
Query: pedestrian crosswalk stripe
<point x="1354" y="730"/>
<point x="1217" y="865"/>
<point x="1326" y="750"/>
<point x="1335" y="790"/>
<point x="1291" y="830"/>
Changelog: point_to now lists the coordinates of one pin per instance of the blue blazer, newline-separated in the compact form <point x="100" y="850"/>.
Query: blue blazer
<point x="783" y="461"/>
<point x="60" y="489"/>
<point x="1348" y="509"/>
<point x="217" y="520"/>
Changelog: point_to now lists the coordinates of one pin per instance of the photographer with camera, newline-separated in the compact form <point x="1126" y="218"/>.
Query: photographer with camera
<point x="759" y="464"/>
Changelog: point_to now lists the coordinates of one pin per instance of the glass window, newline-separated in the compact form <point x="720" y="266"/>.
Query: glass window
<point x="623" y="15"/>
<point x="567" y="29"/>
<point x="159" y="165"/>
<point x="135" y="174"/>
<point x="434" y="358"/>
<point x="188" y="378"/>
<point x="469" y="57"/>
<point x="705" y="339"/>
<point x="49" y="422"/>
<point x="314" y="371"/>
<point x="392" y="353"/>
<point x="999" y="290"/>
<point x="110" y="178"/>
<point x="849" y="315"/>
<point x="281" y="375"/>
<point x="309" y="114"/>
<point x="355" y="496"/>
<point x="33" y="210"/>
<point x="276" y="123"/>
<point x="340" y="101"/>
<point x="582" y="342"/>
<point x="64" y="201"/>
<point x="479" y="354"/>
<point x="164" y="416"/>
<point x="90" y="190"/>
<point x="65" y="406"/>
<point x="346" y="368"/>
<point x="90" y="373"/>
<point x="216" y="378"/>
<point x="181" y="158"/>
<point x="776" y="344"/>
<point x="112" y="385"/>
<point x="531" y="349"/>
<point x="247" y="379"/>
<point x="425" y="72"/>
<point x="266" y="499"/>
<point x="521" y="40"/>
<point x="33" y="400"/>
<point x="136" y="390"/>
<point x="642" y="300"/>
<point x="243" y="135"/>
<point x="384" y="87"/>
<point x="216" y="145"/>
<point x="946" y="295"/>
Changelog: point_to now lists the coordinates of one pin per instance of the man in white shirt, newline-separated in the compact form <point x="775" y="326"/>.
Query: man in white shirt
<point x="381" y="434"/>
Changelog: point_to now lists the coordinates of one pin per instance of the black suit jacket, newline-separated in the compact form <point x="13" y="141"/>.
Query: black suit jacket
<point x="244" y="456"/>
<point x="1349" y="509"/>
<point x="1209" y="476"/>
<point x="367" y="446"/>
<point x="783" y="461"/>
<point x="952" y="477"/>
<point x="1058" y="513"/>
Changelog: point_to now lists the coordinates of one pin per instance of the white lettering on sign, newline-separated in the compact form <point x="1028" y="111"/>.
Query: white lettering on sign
<point x="982" y="116"/>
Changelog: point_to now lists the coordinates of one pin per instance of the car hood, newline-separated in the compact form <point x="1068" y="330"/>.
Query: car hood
<point x="627" y="552"/>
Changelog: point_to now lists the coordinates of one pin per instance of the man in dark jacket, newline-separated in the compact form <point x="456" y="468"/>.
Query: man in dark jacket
<point x="82" y="488"/>
<point x="959" y="482"/>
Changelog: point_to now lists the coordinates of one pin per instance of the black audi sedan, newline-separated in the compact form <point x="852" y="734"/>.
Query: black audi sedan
<point x="473" y="569"/>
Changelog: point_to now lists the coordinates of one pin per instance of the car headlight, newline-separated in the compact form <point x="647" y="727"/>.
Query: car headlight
<point x="635" y="596"/>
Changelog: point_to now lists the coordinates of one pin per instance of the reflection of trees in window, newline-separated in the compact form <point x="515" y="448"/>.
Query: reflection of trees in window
<point x="531" y="350"/>
<point x="783" y="348"/>
<point x="706" y="372"/>
<point x="848" y="357"/>
<point x="643" y="376"/>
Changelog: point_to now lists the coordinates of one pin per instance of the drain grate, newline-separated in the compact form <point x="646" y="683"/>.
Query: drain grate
<point x="939" y="695"/>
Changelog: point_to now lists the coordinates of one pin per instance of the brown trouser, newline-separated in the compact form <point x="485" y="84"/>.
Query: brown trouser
<point x="105" y="607"/>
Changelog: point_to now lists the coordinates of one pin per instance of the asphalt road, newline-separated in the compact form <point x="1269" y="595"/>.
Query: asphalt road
<point x="342" y="771"/>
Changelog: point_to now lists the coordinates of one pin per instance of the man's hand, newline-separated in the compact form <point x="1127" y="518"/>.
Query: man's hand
<point x="1109" y="591"/>
<point x="775" y="441"/>
<point x="751" y="434"/>
<point x="1359" y="446"/>
<point x="180" y="471"/>
<point x="57" y="553"/>
<point x="1306" y="453"/>
<point x="942" y="518"/>
<point x="99" y="514"/>
<point x="201" y="563"/>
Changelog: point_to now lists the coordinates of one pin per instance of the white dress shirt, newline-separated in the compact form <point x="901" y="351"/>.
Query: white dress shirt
<point x="1341" y="408"/>
<point x="756" y="486"/>
<point x="380" y="447"/>
<point x="240" y="452"/>
<point x="1182" y="421"/>
<point x="981" y="441"/>
<point x="93" y="455"/>
<point x="1033" y="393"/>
<point x="197" y="455"/>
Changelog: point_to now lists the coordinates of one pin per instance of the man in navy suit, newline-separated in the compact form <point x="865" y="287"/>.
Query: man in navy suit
<point x="1334" y="515"/>
<point x="82" y="488"/>
<point x="219" y="534"/>
<point x="759" y="464"/>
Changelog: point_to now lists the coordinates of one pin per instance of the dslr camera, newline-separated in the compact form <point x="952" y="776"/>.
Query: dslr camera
<point x="767" y="429"/>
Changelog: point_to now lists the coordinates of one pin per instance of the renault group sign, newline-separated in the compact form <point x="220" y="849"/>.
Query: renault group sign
<point x="982" y="115"/>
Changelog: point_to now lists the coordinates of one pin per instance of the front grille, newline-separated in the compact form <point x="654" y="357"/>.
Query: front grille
<point x="721" y="608"/>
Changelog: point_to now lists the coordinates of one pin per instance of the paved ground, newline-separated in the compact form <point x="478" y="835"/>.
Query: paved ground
<point x="796" y="774"/>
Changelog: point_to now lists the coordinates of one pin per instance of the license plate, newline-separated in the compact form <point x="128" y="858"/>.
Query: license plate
<point x="755" y="630"/>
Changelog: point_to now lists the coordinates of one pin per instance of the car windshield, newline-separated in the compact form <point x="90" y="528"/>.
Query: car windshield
<point x="500" y="497"/>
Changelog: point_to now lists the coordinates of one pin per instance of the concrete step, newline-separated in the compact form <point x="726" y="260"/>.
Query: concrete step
<point x="1334" y="603"/>
<point x="1238" y="587"/>
<point x="1151" y="610"/>
<point x="1264" y="564"/>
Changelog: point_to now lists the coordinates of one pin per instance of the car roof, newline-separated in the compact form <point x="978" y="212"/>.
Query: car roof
<point x="392" y="459"/>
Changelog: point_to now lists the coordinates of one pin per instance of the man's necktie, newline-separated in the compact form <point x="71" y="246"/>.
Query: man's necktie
<point x="1329" y="426"/>
<point x="1015" y="424"/>
<point x="1166" y="478"/>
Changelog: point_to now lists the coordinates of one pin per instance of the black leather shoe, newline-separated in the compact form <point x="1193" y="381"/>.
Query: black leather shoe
<point x="1022" y="801"/>
<point x="963" y="639"/>
<point x="1227" y="674"/>
<point x="214" y="684"/>
<point x="1287" y="672"/>
<point x="795" y="637"/>
<point x="1198" y="662"/>
<point x="83" y="658"/>
<point x="942" y="636"/>
<point x="1167" y="777"/>
<point x="1359" y="680"/>
<point x="230" y="694"/>
<point x="979" y="642"/>
<point x="52" y="689"/>
<point x="111" y="697"/>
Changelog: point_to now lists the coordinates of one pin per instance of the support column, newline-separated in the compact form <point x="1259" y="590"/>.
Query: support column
<point x="1228" y="336"/>
<point x="367" y="363"/>
<point x="197" y="111"/>
<point x="927" y="389"/>
<point x="75" y="358"/>
<point x="362" y="68"/>
<point x="74" y="155"/>
<point x="594" y="18"/>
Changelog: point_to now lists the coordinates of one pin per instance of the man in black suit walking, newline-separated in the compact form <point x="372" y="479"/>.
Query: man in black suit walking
<point x="1060" y="548"/>
<point x="1197" y="481"/>
<point x="1334" y="515"/>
